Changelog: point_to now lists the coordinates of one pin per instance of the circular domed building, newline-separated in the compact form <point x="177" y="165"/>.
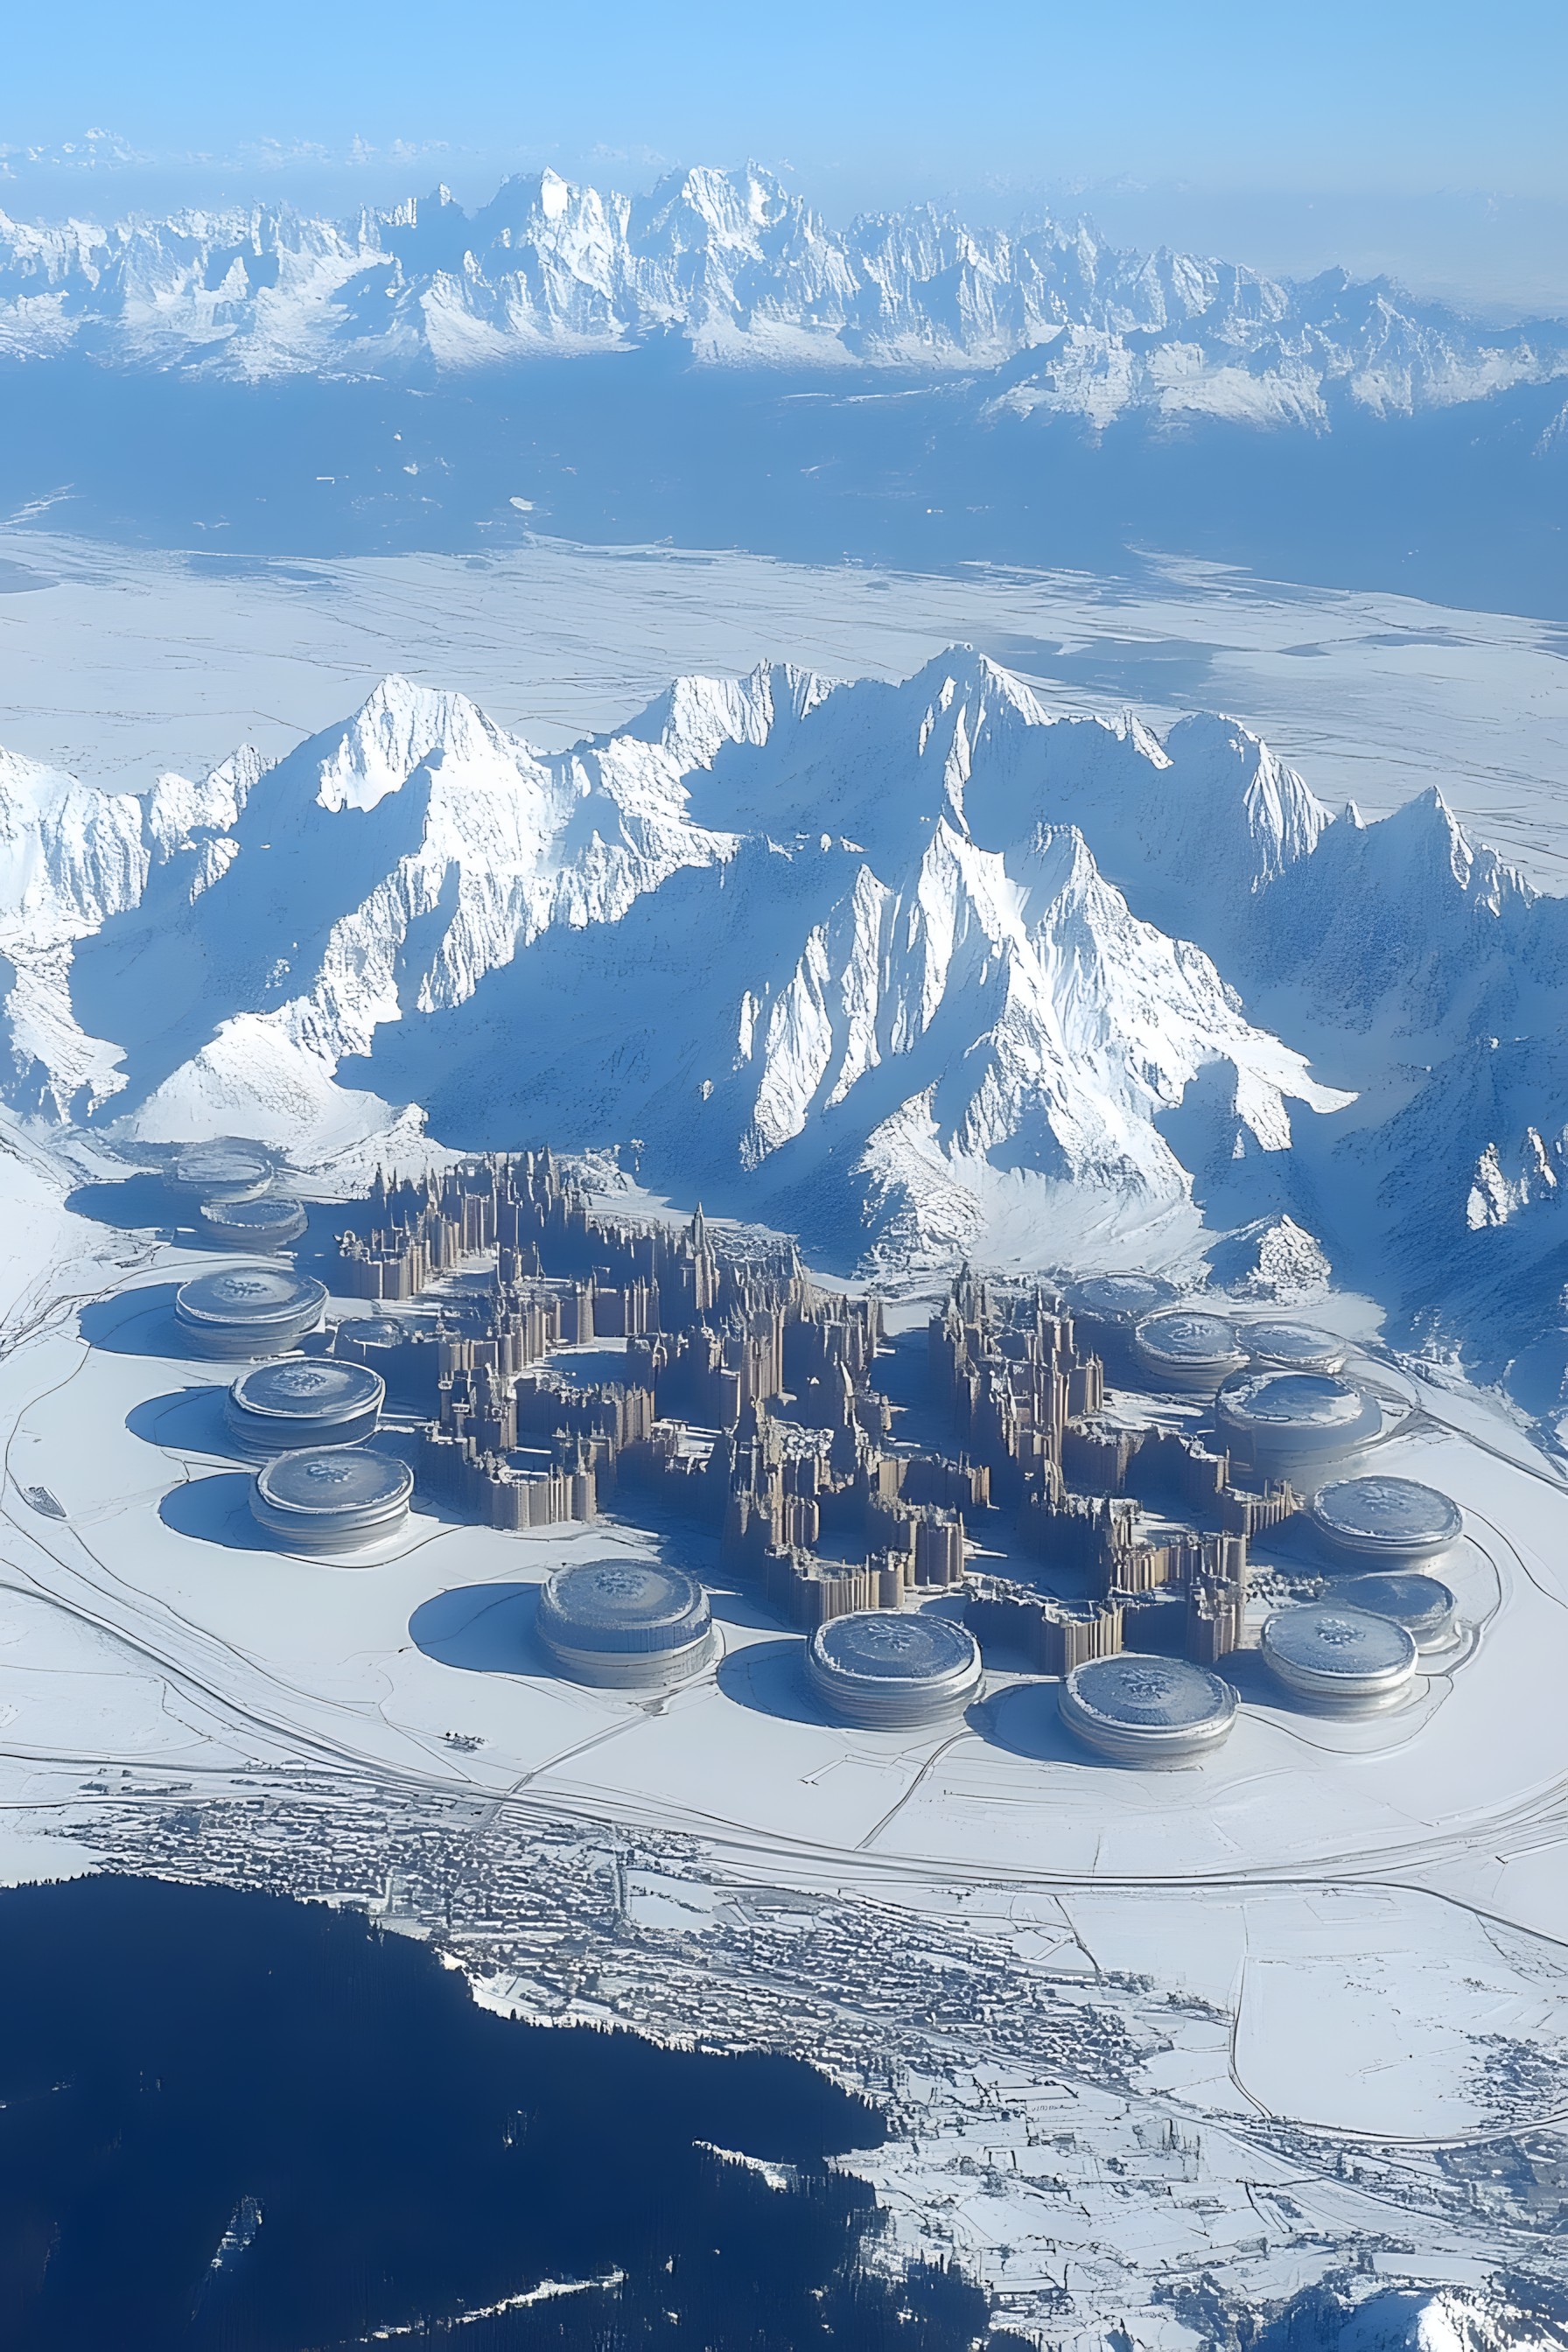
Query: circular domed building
<point x="245" y="1311"/>
<point x="391" y="1348"/>
<point x="625" y="1624"/>
<point x="221" y="1171"/>
<point x="1121" y="1298"/>
<point x="270" y="1222"/>
<point x="893" y="1673"/>
<point x="1293" y="1347"/>
<point x="334" y="1500"/>
<point x="1295" y="1425"/>
<point x="1420" y="1603"/>
<point x="1339" y="1661"/>
<point x="305" y="1401"/>
<point x="1187" y="1348"/>
<point x="360" y="1337"/>
<point x="1149" y="1711"/>
<point x="1390" y="1520"/>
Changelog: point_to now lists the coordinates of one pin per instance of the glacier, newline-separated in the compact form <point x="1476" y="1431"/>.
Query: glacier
<point x="917" y="968"/>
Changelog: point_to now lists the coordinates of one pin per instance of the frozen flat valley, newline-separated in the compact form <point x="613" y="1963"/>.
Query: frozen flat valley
<point x="118" y="663"/>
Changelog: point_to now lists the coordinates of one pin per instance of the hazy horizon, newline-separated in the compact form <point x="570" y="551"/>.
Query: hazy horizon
<point x="1420" y="143"/>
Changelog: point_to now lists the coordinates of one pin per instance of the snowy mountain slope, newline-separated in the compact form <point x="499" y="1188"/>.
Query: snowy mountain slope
<point x="381" y="869"/>
<point x="746" y="272"/>
<point x="941" y="943"/>
<point x="1448" y="2319"/>
<point x="1283" y="362"/>
<point x="70" y="857"/>
<point x="915" y="967"/>
<point x="882" y="764"/>
<point x="1457" y="934"/>
<point x="873" y="1057"/>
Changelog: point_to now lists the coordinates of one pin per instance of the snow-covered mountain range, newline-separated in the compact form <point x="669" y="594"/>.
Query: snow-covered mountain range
<point x="915" y="968"/>
<point x="747" y="272"/>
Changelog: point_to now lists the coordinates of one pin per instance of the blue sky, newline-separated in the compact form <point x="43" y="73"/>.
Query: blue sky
<point x="1327" y="96"/>
<point x="1425" y="140"/>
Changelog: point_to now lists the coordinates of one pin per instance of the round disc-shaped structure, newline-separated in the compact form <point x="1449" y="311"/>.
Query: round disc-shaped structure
<point x="363" y="1334"/>
<point x="1293" y="1347"/>
<point x="893" y="1673"/>
<point x="1285" y="1424"/>
<point x="627" y="1624"/>
<point x="389" y="1348"/>
<point x="1339" y="1661"/>
<point x="1122" y="1298"/>
<point x="1150" y="1711"/>
<point x="1392" y="1519"/>
<point x="221" y="1171"/>
<point x="333" y="1499"/>
<point x="246" y="1311"/>
<point x="305" y="1401"/>
<point x="1420" y="1603"/>
<point x="1187" y="1348"/>
<point x="268" y="1222"/>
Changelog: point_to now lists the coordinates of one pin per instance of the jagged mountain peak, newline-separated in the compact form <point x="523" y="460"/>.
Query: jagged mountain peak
<point x="396" y="730"/>
<point x="182" y="815"/>
<point x="696" y="715"/>
<point x="733" y="205"/>
<point x="887" y="956"/>
<point x="1285" y="819"/>
<point x="1423" y="840"/>
<point x="995" y="1009"/>
<point x="739" y="264"/>
<point x="962" y="673"/>
<point x="70" y="856"/>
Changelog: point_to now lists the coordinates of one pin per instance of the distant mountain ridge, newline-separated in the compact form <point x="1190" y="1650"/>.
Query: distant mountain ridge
<point x="916" y="968"/>
<point x="748" y="274"/>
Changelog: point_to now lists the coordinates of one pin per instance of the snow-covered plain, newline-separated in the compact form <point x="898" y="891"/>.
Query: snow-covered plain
<point x="121" y="663"/>
<point x="1323" y="1958"/>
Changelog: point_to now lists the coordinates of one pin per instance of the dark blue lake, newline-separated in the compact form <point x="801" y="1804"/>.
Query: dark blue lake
<point x="235" y="2122"/>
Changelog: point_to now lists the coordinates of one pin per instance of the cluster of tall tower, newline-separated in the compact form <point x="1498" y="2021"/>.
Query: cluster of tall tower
<point x="1029" y="1395"/>
<point x="742" y="1396"/>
